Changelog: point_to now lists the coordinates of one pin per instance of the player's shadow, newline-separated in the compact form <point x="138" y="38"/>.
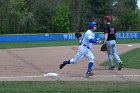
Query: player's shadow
<point x="81" y="75"/>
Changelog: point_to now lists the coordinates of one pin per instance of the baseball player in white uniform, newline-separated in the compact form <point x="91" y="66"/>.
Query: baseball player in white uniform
<point x="84" y="50"/>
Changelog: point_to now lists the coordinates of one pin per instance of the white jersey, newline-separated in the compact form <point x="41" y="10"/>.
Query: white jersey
<point x="84" y="50"/>
<point x="88" y="35"/>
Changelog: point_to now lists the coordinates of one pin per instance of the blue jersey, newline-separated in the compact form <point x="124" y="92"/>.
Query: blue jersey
<point x="88" y="35"/>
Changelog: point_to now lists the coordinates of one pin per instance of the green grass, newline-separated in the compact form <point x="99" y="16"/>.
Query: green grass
<point x="131" y="59"/>
<point x="126" y="41"/>
<point x="7" y="45"/>
<point x="69" y="87"/>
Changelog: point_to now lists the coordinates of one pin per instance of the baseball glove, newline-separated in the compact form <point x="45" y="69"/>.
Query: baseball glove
<point x="103" y="47"/>
<point x="78" y="35"/>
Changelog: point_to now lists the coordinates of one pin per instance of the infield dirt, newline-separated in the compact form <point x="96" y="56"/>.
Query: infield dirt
<point x="30" y="64"/>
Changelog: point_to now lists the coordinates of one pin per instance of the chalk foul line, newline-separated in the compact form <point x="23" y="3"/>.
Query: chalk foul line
<point x="41" y="76"/>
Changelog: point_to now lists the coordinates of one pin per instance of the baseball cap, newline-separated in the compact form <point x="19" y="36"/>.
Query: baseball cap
<point x="107" y="18"/>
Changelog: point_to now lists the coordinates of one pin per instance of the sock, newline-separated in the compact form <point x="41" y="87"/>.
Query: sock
<point x="66" y="62"/>
<point x="90" y="65"/>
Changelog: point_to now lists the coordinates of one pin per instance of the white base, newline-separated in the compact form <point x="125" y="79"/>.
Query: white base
<point x="130" y="45"/>
<point x="51" y="74"/>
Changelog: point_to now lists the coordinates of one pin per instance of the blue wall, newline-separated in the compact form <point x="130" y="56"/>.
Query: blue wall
<point x="48" y="37"/>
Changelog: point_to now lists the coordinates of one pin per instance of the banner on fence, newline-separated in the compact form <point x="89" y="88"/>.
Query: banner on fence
<point x="51" y="37"/>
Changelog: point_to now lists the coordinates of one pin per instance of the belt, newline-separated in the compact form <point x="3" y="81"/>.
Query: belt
<point x="86" y="46"/>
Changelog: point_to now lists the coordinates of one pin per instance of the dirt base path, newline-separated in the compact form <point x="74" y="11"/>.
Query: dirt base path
<point x="30" y="64"/>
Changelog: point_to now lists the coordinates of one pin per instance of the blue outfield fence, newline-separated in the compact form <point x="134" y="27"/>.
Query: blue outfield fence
<point x="52" y="37"/>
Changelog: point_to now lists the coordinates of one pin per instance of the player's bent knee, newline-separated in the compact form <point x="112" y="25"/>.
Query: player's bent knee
<point x="91" y="60"/>
<point x="72" y="61"/>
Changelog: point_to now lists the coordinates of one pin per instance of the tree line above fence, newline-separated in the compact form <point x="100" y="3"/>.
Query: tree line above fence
<point x="57" y="16"/>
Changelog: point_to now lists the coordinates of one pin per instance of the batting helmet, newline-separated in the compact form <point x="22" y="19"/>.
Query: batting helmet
<point x="107" y="18"/>
<point x="91" y="24"/>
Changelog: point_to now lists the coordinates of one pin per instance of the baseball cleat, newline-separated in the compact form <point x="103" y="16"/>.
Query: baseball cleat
<point x="112" y="68"/>
<point x="120" y="66"/>
<point x="88" y="74"/>
<point x="62" y="65"/>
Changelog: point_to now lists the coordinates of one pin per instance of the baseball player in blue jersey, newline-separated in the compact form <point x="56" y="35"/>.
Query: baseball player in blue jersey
<point x="110" y="38"/>
<point x="84" y="50"/>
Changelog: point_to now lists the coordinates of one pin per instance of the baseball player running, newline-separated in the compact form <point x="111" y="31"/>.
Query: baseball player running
<point x="84" y="50"/>
<point x="110" y="38"/>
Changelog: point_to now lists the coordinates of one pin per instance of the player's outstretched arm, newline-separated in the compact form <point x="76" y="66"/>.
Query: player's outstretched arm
<point x="93" y="41"/>
<point x="96" y="41"/>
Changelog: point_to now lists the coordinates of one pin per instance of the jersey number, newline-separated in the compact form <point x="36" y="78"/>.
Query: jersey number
<point x="112" y="31"/>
